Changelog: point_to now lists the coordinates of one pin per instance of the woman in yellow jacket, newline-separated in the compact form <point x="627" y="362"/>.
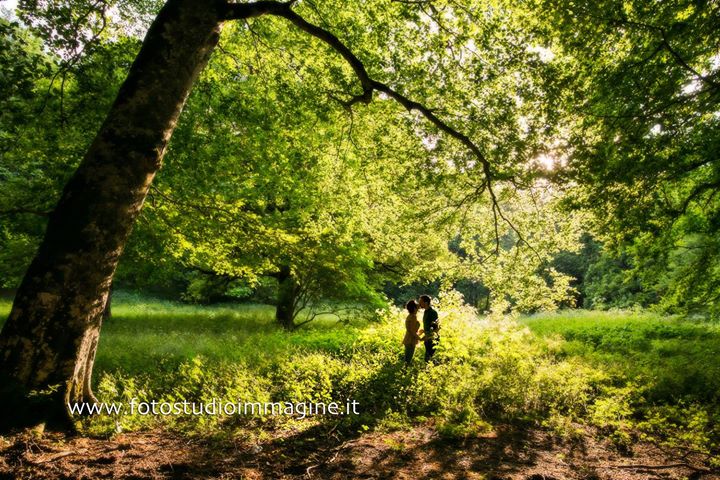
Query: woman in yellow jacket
<point x="412" y="338"/>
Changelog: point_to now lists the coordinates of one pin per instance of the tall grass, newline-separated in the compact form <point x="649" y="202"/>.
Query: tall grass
<point x="663" y="371"/>
<point x="148" y="333"/>
<point x="675" y="359"/>
<point x="630" y="374"/>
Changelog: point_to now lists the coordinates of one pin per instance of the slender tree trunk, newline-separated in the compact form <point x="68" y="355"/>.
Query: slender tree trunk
<point x="50" y="338"/>
<point x="287" y="294"/>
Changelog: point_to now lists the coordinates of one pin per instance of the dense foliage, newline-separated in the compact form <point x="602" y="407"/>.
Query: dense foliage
<point x="269" y="173"/>
<point x="639" y="142"/>
<point x="270" y="183"/>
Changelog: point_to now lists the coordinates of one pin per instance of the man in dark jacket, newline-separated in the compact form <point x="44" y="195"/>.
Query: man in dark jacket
<point x="431" y="326"/>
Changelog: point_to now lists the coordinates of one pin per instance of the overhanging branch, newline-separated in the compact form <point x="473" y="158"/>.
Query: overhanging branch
<point x="369" y="85"/>
<point x="237" y="11"/>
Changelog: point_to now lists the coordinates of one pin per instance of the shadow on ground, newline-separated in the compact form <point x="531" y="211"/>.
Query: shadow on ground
<point x="511" y="452"/>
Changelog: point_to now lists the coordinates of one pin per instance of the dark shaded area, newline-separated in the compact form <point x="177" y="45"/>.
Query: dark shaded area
<point x="323" y="451"/>
<point x="20" y="408"/>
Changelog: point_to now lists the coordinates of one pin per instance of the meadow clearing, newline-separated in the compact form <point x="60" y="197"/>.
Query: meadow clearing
<point x="629" y="375"/>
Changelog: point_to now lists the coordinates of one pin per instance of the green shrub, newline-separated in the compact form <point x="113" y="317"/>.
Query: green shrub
<point x="626" y="374"/>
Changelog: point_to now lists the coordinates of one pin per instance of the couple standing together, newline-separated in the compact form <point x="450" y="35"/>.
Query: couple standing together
<point x="428" y="334"/>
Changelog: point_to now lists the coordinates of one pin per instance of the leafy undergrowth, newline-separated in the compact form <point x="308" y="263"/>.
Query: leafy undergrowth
<point x="629" y="376"/>
<point x="663" y="372"/>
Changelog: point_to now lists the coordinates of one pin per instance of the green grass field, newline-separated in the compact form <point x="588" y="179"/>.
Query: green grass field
<point x="165" y="334"/>
<point x="629" y="375"/>
<point x="676" y="360"/>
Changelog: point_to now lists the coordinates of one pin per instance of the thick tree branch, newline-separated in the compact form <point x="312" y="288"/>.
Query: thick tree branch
<point x="465" y="140"/>
<point x="369" y="85"/>
<point x="283" y="9"/>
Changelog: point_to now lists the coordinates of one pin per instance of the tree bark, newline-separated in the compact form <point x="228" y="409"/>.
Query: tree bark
<point x="287" y="295"/>
<point x="107" y="311"/>
<point x="51" y="336"/>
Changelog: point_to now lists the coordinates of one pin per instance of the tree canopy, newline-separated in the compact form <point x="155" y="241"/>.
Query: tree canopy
<point x="640" y="138"/>
<point x="272" y="168"/>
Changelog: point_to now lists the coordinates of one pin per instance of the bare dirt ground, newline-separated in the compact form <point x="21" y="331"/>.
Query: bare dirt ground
<point x="508" y="453"/>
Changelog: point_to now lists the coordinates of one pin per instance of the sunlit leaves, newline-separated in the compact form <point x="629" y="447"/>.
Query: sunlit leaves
<point x="267" y="169"/>
<point x="642" y="137"/>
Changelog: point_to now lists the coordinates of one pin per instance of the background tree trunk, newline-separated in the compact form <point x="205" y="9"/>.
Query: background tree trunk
<point x="287" y="295"/>
<point x="50" y="338"/>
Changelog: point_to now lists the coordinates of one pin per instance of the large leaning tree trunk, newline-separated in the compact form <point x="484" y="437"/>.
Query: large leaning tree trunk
<point x="49" y="340"/>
